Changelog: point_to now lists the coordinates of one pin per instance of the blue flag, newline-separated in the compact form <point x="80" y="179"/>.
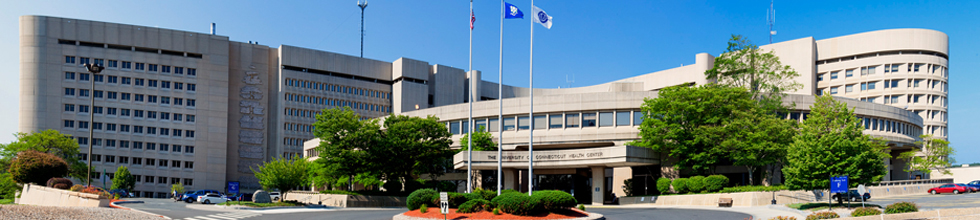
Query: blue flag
<point x="511" y="11"/>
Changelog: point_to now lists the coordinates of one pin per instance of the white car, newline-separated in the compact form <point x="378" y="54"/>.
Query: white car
<point x="275" y="196"/>
<point x="211" y="198"/>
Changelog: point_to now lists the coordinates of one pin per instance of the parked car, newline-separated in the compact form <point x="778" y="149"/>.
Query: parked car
<point x="211" y="198"/>
<point x="275" y="196"/>
<point x="949" y="188"/>
<point x="239" y="197"/>
<point x="971" y="188"/>
<point x="192" y="196"/>
<point x="975" y="183"/>
<point x="122" y="193"/>
<point x="851" y="195"/>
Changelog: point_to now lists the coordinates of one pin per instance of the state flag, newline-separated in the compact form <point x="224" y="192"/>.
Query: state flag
<point x="541" y="17"/>
<point x="511" y="11"/>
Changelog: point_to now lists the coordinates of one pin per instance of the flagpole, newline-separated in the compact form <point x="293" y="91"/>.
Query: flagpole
<point x="469" y="133"/>
<point x="530" y="114"/>
<point x="500" y="101"/>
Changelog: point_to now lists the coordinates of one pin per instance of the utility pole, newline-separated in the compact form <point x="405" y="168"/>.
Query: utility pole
<point x="771" y="20"/>
<point x="363" y="6"/>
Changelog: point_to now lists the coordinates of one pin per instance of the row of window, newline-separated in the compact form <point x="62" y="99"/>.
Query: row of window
<point x="125" y="96"/>
<point x="124" y="80"/>
<point x="127" y="65"/>
<point x="138" y="161"/>
<point x="896" y="99"/>
<point x="888" y="68"/>
<point x="895" y="83"/>
<point x="137" y="145"/>
<point x="337" y="88"/>
<point x="298" y="127"/>
<point x="135" y="129"/>
<point x="292" y="141"/>
<point x="552" y="121"/>
<point x="136" y="113"/>
<point x="333" y="102"/>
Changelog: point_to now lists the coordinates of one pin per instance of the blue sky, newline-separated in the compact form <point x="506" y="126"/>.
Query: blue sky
<point x="591" y="41"/>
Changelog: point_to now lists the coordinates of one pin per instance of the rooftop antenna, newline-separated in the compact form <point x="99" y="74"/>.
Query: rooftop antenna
<point x="771" y="19"/>
<point x="568" y="83"/>
<point x="363" y="6"/>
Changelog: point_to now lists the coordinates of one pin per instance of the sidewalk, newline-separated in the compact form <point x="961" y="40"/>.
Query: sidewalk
<point x="757" y="212"/>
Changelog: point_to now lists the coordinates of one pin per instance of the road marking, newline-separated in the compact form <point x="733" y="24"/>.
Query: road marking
<point x="224" y="216"/>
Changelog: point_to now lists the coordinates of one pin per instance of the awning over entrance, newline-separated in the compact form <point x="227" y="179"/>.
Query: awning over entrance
<point x="615" y="156"/>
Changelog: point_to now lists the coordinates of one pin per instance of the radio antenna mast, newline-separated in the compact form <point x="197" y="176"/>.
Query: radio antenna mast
<point x="771" y="19"/>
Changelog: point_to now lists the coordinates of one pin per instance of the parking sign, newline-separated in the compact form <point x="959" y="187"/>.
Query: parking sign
<point x="838" y="184"/>
<point x="233" y="187"/>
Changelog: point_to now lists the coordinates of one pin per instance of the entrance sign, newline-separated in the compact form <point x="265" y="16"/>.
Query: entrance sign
<point x="838" y="184"/>
<point x="444" y="202"/>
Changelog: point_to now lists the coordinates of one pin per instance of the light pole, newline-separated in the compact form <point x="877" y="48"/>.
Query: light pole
<point x="94" y="69"/>
<point x="363" y="6"/>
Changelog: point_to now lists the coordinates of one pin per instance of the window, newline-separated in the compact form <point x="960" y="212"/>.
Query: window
<point x="453" y="127"/>
<point x="510" y="124"/>
<point x="113" y="63"/>
<point x="110" y="159"/>
<point x="126" y="96"/>
<point x="188" y="164"/>
<point x="864" y="86"/>
<point x="175" y="163"/>
<point x="83" y="60"/>
<point x="588" y="119"/>
<point x="165" y="69"/>
<point x="539" y="122"/>
<point x="152" y="83"/>
<point x="894" y="84"/>
<point x="605" y="119"/>
<point x="124" y="144"/>
<point x="191" y="87"/>
<point x="113" y="79"/>
<point x="165" y="84"/>
<point x="152" y="99"/>
<point x="82" y="108"/>
<point x="189" y="149"/>
<point x="69" y="91"/>
<point x="849" y="88"/>
<point x="123" y="160"/>
<point x="833" y="75"/>
<point x="572" y="120"/>
<point x="83" y="92"/>
<point x="849" y="73"/>
<point x="69" y="75"/>
<point x="178" y="70"/>
<point x="191" y="102"/>
<point x="127" y="65"/>
<point x="622" y="118"/>
<point x="69" y="107"/>
<point x="112" y="95"/>
<point x="178" y="85"/>
<point x="555" y="121"/>
<point x="871" y="85"/>
<point x="98" y="93"/>
<point x="523" y="123"/>
<point x="820" y="77"/>
<point x="153" y="67"/>
<point x="69" y="124"/>
<point x="493" y="125"/>
<point x="69" y="59"/>
<point x="165" y="100"/>
<point x="188" y="182"/>
<point x="191" y="72"/>
<point x="140" y="82"/>
<point x="151" y="130"/>
<point x="137" y="145"/>
<point x="176" y="148"/>
<point x="161" y="179"/>
<point x="637" y="118"/>
<point x="123" y="128"/>
<point x="190" y="118"/>
<point x="833" y="90"/>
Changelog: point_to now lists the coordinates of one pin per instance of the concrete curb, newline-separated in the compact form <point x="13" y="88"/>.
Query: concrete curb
<point x="136" y="210"/>
<point x="592" y="216"/>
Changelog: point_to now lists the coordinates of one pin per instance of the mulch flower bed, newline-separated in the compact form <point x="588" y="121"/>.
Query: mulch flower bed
<point x="434" y="213"/>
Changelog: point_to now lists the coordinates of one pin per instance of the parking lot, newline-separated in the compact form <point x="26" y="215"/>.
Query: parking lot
<point x="931" y="202"/>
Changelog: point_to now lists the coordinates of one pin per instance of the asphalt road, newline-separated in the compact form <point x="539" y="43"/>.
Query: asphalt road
<point x="931" y="202"/>
<point x="186" y="211"/>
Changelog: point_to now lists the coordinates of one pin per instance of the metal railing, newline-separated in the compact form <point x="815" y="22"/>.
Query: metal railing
<point x="912" y="182"/>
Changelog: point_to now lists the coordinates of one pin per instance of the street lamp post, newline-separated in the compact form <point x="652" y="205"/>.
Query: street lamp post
<point x="94" y="69"/>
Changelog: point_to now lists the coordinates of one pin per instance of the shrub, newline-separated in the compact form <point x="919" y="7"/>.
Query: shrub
<point x="628" y="187"/>
<point x="36" y="167"/>
<point x="714" y="183"/>
<point x="60" y="183"/>
<point x="496" y="211"/>
<point x="680" y="185"/>
<point x="485" y="194"/>
<point x="663" y="185"/>
<point x="901" y="207"/>
<point x="424" y="208"/>
<point x="865" y="211"/>
<point x="517" y="204"/>
<point x="420" y="197"/>
<point x="752" y="189"/>
<point x="695" y="184"/>
<point x="783" y="218"/>
<point x="822" y="215"/>
<point x="77" y="188"/>
<point x="509" y="191"/>
<point x="456" y="199"/>
<point x="554" y="200"/>
<point x="475" y="205"/>
<point x="8" y="188"/>
<point x="581" y="207"/>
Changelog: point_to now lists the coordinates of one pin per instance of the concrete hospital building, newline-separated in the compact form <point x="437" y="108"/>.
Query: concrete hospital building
<point x="199" y="109"/>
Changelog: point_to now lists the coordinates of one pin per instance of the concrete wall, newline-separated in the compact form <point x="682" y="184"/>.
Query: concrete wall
<point x="765" y="198"/>
<point x="346" y="200"/>
<point x="46" y="196"/>
<point x="960" y="174"/>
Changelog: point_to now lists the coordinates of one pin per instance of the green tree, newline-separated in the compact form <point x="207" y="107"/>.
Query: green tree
<point x="745" y="65"/>
<point x="123" y="179"/>
<point x="482" y="139"/>
<point x="935" y="155"/>
<point x="178" y="187"/>
<point x="831" y="143"/>
<point x="346" y="143"/>
<point x="687" y="123"/>
<point x="47" y="141"/>
<point x="283" y="174"/>
<point x="757" y="138"/>
<point x="414" y="146"/>
<point x="8" y="188"/>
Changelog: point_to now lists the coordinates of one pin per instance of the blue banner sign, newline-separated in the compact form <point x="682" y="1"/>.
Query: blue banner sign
<point x="233" y="187"/>
<point x="838" y="184"/>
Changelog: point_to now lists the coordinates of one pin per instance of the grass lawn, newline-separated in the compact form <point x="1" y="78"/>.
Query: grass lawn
<point x="6" y="201"/>
<point x="818" y="205"/>
<point x="272" y="204"/>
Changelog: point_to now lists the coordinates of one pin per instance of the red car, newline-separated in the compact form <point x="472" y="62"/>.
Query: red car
<point x="950" y="188"/>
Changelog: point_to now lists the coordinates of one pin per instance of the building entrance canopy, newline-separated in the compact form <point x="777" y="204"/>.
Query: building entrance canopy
<point x="615" y="156"/>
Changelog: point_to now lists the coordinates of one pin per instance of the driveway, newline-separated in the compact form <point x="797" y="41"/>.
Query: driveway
<point x="931" y="202"/>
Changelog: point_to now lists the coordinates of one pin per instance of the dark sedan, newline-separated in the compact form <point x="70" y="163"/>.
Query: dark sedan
<point x="851" y="195"/>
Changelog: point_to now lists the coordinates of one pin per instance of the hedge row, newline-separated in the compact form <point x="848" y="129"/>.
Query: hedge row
<point x="509" y="201"/>
<point x="694" y="184"/>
